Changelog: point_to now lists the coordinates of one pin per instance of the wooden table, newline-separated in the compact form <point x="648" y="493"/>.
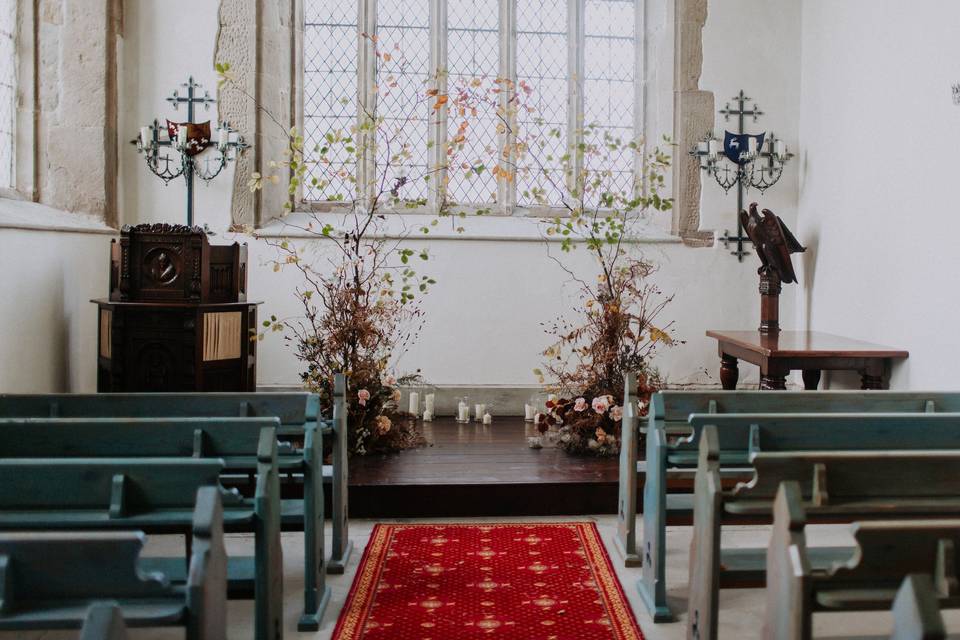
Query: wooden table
<point x="809" y="351"/>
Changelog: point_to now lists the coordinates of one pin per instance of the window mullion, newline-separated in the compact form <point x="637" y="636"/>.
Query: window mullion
<point x="437" y="127"/>
<point x="640" y="95"/>
<point x="366" y="102"/>
<point x="575" y="108"/>
<point x="506" y="139"/>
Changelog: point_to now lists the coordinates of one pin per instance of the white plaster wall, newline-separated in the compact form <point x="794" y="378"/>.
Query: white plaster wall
<point x="878" y="198"/>
<point x="754" y="45"/>
<point x="484" y="315"/>
<point x="49" y="327"/>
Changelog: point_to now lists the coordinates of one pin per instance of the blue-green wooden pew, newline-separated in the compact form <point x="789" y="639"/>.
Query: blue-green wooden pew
<point x="295" y="410"/>
<point x="62" y="580"/>
<point x="155" y="495"/>
<point x="895" y="561"/>
<point x="671" y="449"/>
<point x="233" y="440"/>
<point x="848" y="467"/>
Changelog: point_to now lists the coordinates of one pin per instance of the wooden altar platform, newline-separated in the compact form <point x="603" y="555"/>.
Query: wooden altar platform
<point x="476" y="470"/>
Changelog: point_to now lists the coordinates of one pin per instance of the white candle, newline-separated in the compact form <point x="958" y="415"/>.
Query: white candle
<point x="222" y="136"/>
<point x="714" y="147"/>
<point x="487" y="418"/>
<point x="478" y="411"/>
<point x="428" y="416"/>
<point x="428" y="401"/>
<point x="234" y="136"/>
<point x="463" y="412"/>
<point x="528" y="412"/>
<point x="146" y="137"/>
<point x="780" y="148"/>
<point x="415" y="403"/>
<point x="182" y="137"/>
<point x="752" y="145"/>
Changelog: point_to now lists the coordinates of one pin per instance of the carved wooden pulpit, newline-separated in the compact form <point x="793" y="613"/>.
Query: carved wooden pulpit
<point x="177" y="318"/>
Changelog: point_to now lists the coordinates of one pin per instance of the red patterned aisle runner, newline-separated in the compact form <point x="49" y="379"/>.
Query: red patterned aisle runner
<point x="549" y="581"/>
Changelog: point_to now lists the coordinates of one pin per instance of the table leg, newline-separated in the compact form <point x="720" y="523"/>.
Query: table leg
<point x="773" y="377"/>
<point x="868" y="381"/>
<point x="729" y="373"/>
<point x="872" y="376"/>
<point x="811" y="379"/>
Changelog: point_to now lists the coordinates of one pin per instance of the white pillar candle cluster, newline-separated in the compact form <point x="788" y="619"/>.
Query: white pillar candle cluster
<point x="487" y="418"/>
<point x="478" y="411"/>
<point x="414" y="405"/>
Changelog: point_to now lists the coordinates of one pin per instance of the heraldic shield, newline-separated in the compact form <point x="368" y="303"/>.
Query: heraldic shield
<point x="198" y="135"/>
<point x="736" y="146"/>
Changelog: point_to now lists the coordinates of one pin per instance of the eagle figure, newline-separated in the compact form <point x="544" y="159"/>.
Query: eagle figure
<point x="773" y="241"/>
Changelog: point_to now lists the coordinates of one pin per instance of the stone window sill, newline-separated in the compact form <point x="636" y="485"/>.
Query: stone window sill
<point x="30" y="216"/>
<point x="491" y="228"/>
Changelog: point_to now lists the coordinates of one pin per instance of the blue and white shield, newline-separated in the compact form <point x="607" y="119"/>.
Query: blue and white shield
<point x="736" y="146"/>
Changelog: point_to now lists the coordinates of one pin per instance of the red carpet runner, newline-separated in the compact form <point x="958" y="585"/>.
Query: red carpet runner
<point x="549" y="581"/>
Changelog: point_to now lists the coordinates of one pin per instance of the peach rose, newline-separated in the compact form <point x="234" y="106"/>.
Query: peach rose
<point x="383" y="424"/>
<point x="363" y="395"/>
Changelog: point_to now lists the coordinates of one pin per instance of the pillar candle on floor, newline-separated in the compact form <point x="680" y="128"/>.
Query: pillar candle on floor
<point x="414" y="403"/>
<point x="428" y="402"/>
<point x="528" y="412"/>
<point x="463" y="412"/>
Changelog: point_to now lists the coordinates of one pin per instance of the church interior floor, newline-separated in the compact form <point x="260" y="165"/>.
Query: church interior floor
<point x="741" y="609"/>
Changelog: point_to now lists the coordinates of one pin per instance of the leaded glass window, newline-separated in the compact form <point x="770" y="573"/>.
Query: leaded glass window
<point x="533" y="46"/>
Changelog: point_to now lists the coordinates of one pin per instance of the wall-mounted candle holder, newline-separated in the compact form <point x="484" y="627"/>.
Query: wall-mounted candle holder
<point x="742" y="160"/>
<point x="190" y="140"/>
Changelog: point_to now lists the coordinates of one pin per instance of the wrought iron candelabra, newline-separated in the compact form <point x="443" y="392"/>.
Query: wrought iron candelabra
<point x="742" y="160"/>
<point x="191" y="140"/>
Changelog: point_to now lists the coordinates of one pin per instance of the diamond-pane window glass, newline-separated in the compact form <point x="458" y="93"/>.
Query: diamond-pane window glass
<point x="8" y="91"/>
<point x="542" y="78"/>
<point x="473" y="53"/>
<point x="608" y="86"/>
<point x="403" y="39"/>
<point x="329" y="95"/>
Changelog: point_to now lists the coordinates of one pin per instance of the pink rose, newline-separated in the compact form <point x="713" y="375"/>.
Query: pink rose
<point x="601" y="404"/>
<point x="363" y="395"/>
<point x="616" y="413"/>
<point x="390" y="381"/>
<point x="580" y="404"/>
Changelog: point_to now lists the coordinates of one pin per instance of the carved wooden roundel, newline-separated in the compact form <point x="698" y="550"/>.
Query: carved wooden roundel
<point x="161" y="266"/>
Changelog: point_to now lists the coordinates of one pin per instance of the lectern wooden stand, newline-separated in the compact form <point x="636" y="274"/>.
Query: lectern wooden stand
<point x="177" y="318"/>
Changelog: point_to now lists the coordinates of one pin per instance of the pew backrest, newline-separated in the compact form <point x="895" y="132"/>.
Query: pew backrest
<point x="118" y="486"/>
<point x="131" y="437"/>
<point x="293" y="409"/>
<point x="754" y="432"/>
<point x="871" y="481"/>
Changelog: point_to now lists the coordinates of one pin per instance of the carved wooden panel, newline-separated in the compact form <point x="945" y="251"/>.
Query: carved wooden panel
<point x="106" y="332"/>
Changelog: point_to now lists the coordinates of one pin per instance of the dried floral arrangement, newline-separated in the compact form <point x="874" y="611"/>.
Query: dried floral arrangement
<point x="360" y="297"/>
<point x="618" y="325"/>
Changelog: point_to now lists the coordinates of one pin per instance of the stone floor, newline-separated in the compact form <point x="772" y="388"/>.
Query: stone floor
<point x="741" y="610"/>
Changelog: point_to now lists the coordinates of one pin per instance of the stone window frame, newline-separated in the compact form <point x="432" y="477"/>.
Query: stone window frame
<point x="55" y="192"/>
<point x="267" y="33"/>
